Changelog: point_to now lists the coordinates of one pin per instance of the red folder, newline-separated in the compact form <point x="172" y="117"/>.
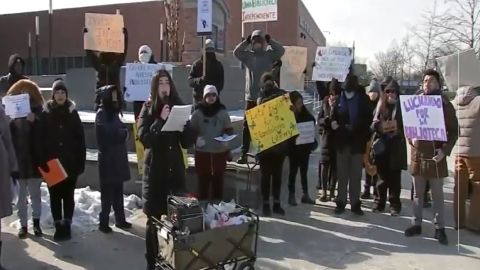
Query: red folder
<point x="56" y="174"/>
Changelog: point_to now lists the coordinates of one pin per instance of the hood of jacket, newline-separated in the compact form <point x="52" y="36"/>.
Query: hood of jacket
<point x="27" y="87"/>
<point x="465" y="95"/>
<point x="52" y="105"/>
<point x="14" y="58"/>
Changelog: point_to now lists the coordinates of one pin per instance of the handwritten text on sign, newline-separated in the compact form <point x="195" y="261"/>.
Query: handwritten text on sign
<point x="271" y="123"/>
<point x="105" y="33"/>
<point x="423" y="117"/>
<point x="294" y="62"/>
<point x="17" y="106"/>
<point x="259" y="10"/>
<point x="332" y="62"/>
<point x="138" y="79"/>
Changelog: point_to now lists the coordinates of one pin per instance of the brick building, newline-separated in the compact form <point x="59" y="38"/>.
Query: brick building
<point x="295" y="27"/>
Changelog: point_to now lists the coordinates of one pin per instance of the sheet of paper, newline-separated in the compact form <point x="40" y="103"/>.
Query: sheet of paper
<point x="178" y="117"/>
<point x="307" y="133"/>
<point x="226" y="138"/>
<point x="17" y="106"/>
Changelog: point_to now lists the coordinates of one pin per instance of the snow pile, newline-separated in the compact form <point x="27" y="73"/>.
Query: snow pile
<point x="87" y="209"/>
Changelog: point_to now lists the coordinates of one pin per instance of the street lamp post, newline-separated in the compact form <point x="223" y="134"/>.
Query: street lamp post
<point x="37" y="34"/>
<point x="50" y="36"/>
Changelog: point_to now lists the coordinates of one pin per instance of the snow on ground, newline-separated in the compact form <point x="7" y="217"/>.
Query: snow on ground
<point x="87" y="209"/>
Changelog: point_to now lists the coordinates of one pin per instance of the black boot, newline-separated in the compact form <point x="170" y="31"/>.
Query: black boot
<point x="441" y="236"/>
<point x="291" y="199"/>
<point x="357" y="209"/>
<point x="59" y="231"/>
<point x="37" y="231"/>
<point x="277" y="209"/>
<point x="413" y="230"/>
<point x="306" y="199"/>
<point x="105" y="228"/>
<point x="340" y="209"/>
<point x="366" y="194"/>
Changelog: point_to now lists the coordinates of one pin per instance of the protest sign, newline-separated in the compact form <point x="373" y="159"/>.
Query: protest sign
<point x="460" y="69"/>
<point x="332" y="62"/>
<point x="259" y="10"/>
<point x="423" y="117"/>
<point x="306" y="133"/>
<point x="105" y="33"/>
<point x="139" y="150"/>
<point x="138" y="79"/>
<point x="294" y="62"/>
<point x="204" y="17"/>
<point x="17" y="106"/>
<point x="271" y="123"/>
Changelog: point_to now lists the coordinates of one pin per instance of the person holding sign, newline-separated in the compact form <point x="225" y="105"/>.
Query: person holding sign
<point x="353" y="117"/>
<point x="113" y="166"/>
<point x="164" y="170"/>
<point x="26" y="141"/>
<point x="388" y="125"/>
<point x="258" y="53"/>
<point x="212" y="75"/>
<point x="299" y="153"/>
<point x="145" y="56"/>
<point x="8" y="171"/>
<point x="428" y="161"/>
<point x="63" y="139"/>
<point x="209" y="121"/>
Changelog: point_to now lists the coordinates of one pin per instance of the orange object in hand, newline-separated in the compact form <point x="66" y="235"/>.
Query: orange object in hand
<point x="56" y="173"/>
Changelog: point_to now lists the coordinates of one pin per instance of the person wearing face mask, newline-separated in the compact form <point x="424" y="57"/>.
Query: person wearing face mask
<point x="257" y="53"/>
<point x="428" y="162"/>
<point x="371" y="180"/>
<point x="16" y="67"/>
<point x="164" y="169"/>
<point x="145" y="56"/>
<point x="388" y="125"/>
<point x="353" y="117"/>
<point x="211" y="120"/>
<point x="327" y="173"/>
<point x="213" y="74"/>
<point x="62" y="137"/>
<point x="113" y="166"/>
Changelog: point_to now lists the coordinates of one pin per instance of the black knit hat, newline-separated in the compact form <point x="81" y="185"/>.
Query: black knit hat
<point x="59" y="84"/>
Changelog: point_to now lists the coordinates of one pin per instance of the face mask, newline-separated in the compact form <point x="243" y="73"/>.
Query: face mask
<point x="144" y="58"/>
<point x="257" y="47"/>
<point x="391" y="100"/>
<point x="349" y="94"/>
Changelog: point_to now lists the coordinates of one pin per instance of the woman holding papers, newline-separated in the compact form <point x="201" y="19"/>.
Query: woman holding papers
<point x="62" y="138"/>
<point x="164" y="170"/>
<point x="8" y="170"/>
<point x="209" y="121"/>
<point x="25" y="141"/>
<point x="113" y="164"/>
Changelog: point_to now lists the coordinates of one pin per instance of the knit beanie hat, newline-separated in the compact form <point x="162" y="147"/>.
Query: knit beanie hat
<point x="374" y="87"/>
<point x="209" y="89"/>
<point x="59" y="84"/>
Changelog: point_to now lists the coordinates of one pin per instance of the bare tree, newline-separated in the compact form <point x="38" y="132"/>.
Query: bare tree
<point x="172" y="11"/>
<point x="389" y="63"/>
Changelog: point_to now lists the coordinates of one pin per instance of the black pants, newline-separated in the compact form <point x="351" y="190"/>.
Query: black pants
<point x="111" y="195"/>
<point x="271" y="170"/>
<point x="371" y="181"/>
<point x="246" y="132"/>
<point x="216" y="182"/>
<point x="151" y="241"/>
<point x="328" y="174"/>
<point x="298" y="161"/>
<point x="62" y="196"/>
<point x="391" y="184"/>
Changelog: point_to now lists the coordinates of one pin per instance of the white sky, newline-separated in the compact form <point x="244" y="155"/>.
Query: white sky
<point x="373" y="24"/>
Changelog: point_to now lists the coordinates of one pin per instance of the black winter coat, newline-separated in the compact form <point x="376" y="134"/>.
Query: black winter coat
<point x="112" y="135"/>
<point x="214" y="75"/>
<point x="12" y="77"/>
<point x="62" y="137"/>
<point x="164" y="170"/>
<point x="303" y="149"/>
<point x="327" y="135"/>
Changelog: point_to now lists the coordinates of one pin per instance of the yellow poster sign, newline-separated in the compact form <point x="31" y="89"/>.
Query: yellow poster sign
<point x="139" y="149"/>
<point x="271" y="123"/>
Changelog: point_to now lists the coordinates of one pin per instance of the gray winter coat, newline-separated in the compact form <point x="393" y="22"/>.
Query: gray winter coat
<point x="8" y="164"/>
<point x="257" y="63"/>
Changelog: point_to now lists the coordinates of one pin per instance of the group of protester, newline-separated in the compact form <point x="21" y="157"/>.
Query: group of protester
<point x="352" y="126"/>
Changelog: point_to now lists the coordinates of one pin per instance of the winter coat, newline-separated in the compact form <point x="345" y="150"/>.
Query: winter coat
<point x="467" y="103"/>
<point x="62" y="137"/>
<point x="108" y="64"/>
<point x="395" y="144"/>
<point x="12" y="77"/>
<point x="353" y="135"/>
<point x="422" y="152"/>
<point x="303" y="149"/>
<point x="8" y="164"/>
<point x="257" y="63"/>
<point x="112" y="135"/>
<point x="214" y="75"/>
<point x="25" y="135"/>
<point x="327" y="146"/>
<point x="164" y="169"/>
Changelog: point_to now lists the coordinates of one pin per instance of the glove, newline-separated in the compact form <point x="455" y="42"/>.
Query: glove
<point x="44" y="167"/>
<point x="439" y="155"/>
<point x="268" y="38"/>
<point x="85" y="30"/>
<point x="15" y="176"/>
<point x="334" y="125"/>
<point x="200" y="142"/>
<point x="249" y="39"/>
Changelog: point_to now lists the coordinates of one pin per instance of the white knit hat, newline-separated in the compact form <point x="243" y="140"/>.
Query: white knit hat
<point x="209" y="89"/>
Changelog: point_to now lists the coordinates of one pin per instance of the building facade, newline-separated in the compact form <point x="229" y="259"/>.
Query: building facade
<point x="143" y="20"/>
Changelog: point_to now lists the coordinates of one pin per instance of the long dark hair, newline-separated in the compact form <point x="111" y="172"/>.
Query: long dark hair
<point x="173" y="98"/>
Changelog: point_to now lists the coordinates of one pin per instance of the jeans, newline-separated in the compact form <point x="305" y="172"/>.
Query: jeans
<point x="63" y="192"/>
<point x="29" y="187"/>
<point x="436" y="186"/>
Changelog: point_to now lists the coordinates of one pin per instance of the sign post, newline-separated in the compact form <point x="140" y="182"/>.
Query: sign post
<point x="204" y="24"/>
